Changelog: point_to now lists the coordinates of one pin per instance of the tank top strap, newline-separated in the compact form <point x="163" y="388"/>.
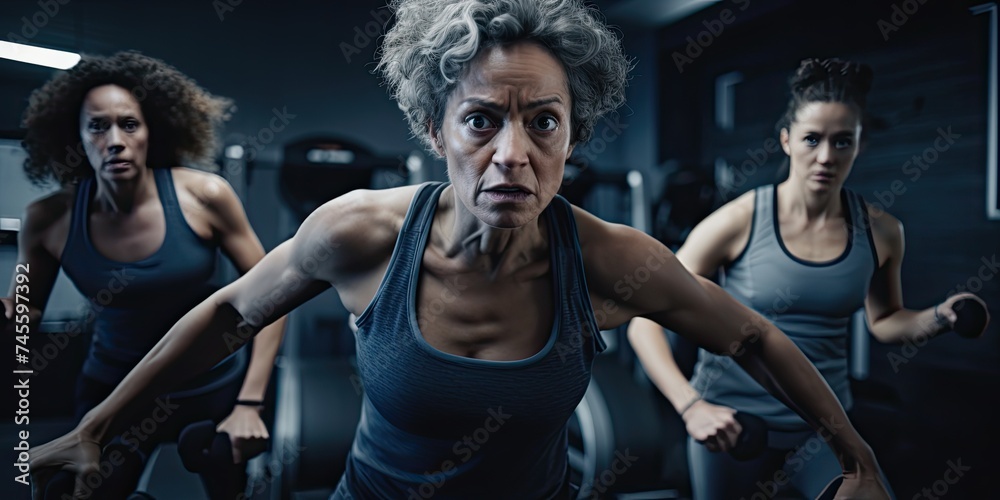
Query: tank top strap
<point x="861" y="223"/>
<point x="77" y="239"/>
<point x="569" y="257"/>
<point x="80" y="207"/>
<point x="420" y="209"/>
<point x="764" y="207"/>
<point x="397" y="274"/>
<point x="168" y="194"/>
<point x="418" y="220"/>
<point x="565" y="224"/>
<point x="764" y="217"/>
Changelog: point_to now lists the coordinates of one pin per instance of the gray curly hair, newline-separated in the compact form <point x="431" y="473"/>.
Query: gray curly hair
<point x="430" y="44"/>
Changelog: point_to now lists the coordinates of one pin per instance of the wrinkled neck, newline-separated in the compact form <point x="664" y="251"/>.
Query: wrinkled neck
<point x="480" y="247"/>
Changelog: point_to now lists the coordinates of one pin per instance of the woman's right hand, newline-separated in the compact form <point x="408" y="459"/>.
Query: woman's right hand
<point x="76" y="452"/>
<point x="247" y="432"/>
<point x="712" y="425"/>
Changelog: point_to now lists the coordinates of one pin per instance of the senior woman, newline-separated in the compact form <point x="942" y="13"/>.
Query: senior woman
<point x="464" y="290"/>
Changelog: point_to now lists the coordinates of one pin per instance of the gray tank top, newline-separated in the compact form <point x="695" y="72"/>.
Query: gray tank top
<point x="812" y="302"/>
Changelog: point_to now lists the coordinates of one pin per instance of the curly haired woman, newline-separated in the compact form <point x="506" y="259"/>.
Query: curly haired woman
<point x="138" y="233"/>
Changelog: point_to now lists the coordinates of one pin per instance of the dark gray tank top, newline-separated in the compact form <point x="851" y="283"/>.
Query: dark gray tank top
<point x="460" y="427"/>
<point x="136" y="303"/>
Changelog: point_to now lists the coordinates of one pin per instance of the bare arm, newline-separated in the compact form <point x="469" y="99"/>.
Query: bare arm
<point x="713" y="425"/>
<point x="712" y="244"/>
<point x="321" y="254"/>
<point x="244" y="249"/>
<point x="712" y="318"/>
<point x="700" y="310"/>
<point x="33" y="251"/>
<point x="888" y="319"/>
<point x="719" y="239"/>
<point x="653" y="350"/>
<point x="215" y="328"/>
<point x="246" y="430"/>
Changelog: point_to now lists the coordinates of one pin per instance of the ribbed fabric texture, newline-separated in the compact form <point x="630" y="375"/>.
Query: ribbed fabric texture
<point x="441" y="425"/>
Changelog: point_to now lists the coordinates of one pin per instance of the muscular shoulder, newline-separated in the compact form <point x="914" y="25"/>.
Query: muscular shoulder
<point x="612" y="250"/>
<point x="359" y="229"/>
<point x="48" y="212"/>
<point x="208" y="188"/>
<point x="598" y="236"/>
<point x="628" y="272"/>
<point x="47" y="220"/>
<point x="733" y="218"/>
<point x="718" y="239"/>
<point x="218" y="205"/>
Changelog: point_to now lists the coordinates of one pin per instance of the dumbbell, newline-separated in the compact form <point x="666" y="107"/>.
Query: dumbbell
<point x="972" y="317"/>
<point x="752" y="439"/>
<point x="105" y="483"/>
<point x="200" y="447"/>
<point x="209" y="453"/>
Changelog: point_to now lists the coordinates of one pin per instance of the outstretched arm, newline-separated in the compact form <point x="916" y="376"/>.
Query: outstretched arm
<point x="709" y="316"/>
<point x="714" y="425"/>
<point x="291" y="274"/>
<point x="712" y="244"/>
<point x="700" y="310"/>
<point x="244" y="426"/>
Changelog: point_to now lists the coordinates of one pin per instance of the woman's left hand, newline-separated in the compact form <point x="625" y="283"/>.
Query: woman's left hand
<point x="247" y="432"/>
<point x="946" y="310"/>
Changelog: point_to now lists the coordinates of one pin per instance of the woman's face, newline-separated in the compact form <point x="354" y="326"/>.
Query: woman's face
<point x="113" y="132"/>
<point x="822" y="144"/>
<point x="506" y="133"/>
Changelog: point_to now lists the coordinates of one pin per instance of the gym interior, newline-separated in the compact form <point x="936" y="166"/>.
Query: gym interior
<point x="313" y="122"/>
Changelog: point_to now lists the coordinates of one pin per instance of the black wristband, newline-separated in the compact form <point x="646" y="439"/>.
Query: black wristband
<point x="247" y="402"/>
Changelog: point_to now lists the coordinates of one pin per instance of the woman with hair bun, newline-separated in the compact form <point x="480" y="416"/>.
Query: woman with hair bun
<point x="806" y="253"/>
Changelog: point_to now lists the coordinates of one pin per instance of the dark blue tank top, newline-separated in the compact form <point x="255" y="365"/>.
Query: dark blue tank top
<point x="812" y="302"/>
<point x="134" y="304"/>
<point x="457" y="427"/>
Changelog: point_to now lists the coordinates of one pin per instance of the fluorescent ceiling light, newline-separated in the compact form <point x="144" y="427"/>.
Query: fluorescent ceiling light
<point x="656" y="12"/>
<point x="37" y="55"/>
